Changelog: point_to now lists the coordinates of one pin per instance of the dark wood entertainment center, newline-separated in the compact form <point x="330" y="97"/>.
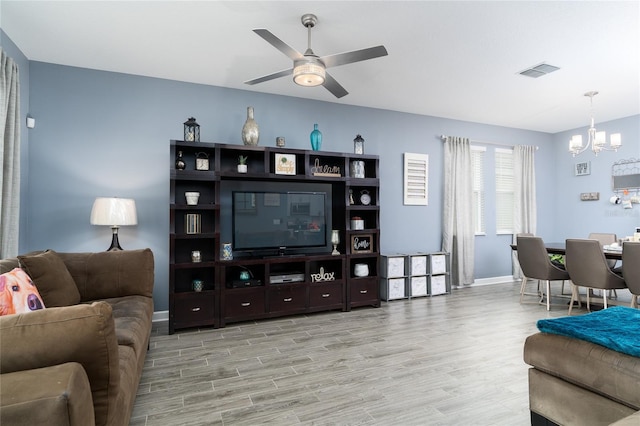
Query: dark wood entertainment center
<point x="329" y="281"/>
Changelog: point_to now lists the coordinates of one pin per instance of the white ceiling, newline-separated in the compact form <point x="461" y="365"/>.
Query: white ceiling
<point x="449" y="59"/>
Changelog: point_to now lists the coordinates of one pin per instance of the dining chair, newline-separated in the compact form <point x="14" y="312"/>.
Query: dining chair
<point x="525" y="279"/>
<point x="631" y="269"/>
<point x="535" y="263"/>
<point x="587" y="267"/>
<point x="606" y="239"/>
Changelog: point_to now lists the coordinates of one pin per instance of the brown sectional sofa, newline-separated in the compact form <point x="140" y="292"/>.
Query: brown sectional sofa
<point x="576" y="382"/>
<point x="77" y="364"/>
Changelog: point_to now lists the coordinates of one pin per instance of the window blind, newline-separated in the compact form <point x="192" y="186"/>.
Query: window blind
<point x="504" y="191"/>
<point x="477" y="163"/>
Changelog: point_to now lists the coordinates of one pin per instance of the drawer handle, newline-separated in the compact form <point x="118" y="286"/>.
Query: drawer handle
<point x="363" y="291"/>
<point x="288" y="299"/>
<point x="245" y="304"/>
<point x="325" y="295"/>
<point x="196" y="309"/>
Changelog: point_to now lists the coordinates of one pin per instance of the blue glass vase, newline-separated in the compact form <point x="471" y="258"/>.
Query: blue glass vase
<point x="316" y="138"/>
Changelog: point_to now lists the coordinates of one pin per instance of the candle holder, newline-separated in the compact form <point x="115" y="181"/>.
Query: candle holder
<point x="335" y="240"/>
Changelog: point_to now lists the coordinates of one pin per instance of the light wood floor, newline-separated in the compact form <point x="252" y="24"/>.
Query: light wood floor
<point x="448" y="360"/>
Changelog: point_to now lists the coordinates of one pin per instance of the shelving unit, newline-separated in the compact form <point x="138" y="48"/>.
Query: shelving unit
<point x="439" y="273"/>
<point x="405" y="276"/>
<point x="328" y="282"/>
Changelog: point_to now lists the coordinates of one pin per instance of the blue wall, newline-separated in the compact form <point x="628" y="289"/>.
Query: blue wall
<point x="575" y="218"/>
<point x="107" y="134"/>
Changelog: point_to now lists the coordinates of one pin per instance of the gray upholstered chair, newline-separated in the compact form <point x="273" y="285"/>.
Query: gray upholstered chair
<point x="631" y="269"/>
<point x="605" y="239"/>
<point x="587" y="267"/>
<point x="535" y="263"/>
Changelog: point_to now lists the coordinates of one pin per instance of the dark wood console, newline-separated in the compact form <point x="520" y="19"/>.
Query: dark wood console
<point x="323" y="281"/>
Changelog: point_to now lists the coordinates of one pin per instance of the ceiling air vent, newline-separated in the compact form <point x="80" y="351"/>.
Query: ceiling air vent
<point x="539" y="70"/>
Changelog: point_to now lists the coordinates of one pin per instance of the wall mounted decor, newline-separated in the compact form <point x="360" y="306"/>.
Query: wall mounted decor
<point x="416" y="179"/>
<point x="625" y="175"/>
<point x="583" y="169"/>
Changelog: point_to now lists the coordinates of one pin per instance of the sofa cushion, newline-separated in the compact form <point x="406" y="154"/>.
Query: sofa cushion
<point x="18" y="294"/>
<point x="56" y="395"/>
<point x="588" y="365"/>
<point x="132" y="316"/>
<point x="110" y="274"/>
<point x="80" y="333"/>
<point x="52" y="278"/>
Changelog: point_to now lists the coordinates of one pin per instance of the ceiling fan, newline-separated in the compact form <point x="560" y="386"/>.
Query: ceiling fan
<point x="309" y="69"/>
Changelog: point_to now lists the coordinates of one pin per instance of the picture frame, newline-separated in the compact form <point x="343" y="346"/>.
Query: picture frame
<point x="583" y="169"/>
<point x="285" y="164"/>
<point x="362" y="243"/>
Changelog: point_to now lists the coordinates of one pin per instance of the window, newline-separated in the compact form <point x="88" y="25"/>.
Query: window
<point x="504" y="191"/>
<point x="477" y="163"/>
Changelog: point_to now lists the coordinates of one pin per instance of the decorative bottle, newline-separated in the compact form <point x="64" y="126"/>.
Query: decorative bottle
<point x="180" y="164"/>
<point x="250" y="132"/>
<point x="316" y="138"/>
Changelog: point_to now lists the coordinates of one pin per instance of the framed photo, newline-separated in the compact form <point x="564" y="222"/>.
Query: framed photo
<point x="583" y="169"/>
<point x="285" y="164"/>
<point x="362" y="243"/>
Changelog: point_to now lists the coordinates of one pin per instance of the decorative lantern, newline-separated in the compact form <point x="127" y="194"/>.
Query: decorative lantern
<point x="358" y="145"/>
<point x="191" y="130"/>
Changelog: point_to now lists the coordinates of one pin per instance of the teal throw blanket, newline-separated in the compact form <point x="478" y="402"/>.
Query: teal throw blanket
<point x="616" y="328"/>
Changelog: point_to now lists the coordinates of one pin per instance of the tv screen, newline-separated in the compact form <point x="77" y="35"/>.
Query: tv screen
<point x="263" y="220"/>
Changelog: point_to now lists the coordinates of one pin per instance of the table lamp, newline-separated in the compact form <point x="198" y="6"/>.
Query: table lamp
<point x="114" y="212"/>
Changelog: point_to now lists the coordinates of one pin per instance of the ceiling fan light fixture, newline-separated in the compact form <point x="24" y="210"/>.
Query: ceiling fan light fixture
<point x="308" y="73"/>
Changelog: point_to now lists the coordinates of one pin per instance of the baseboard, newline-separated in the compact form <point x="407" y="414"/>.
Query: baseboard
<point x="160" y="316"/>
<point x="491" y="280"/>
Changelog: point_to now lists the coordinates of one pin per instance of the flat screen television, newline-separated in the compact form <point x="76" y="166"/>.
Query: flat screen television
<point x="279" y="222"/>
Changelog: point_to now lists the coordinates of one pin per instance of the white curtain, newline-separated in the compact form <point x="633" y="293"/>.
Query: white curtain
<point x="9" y="156"/>
<point x="524" y="209"/>
<point x="457" y="232"/>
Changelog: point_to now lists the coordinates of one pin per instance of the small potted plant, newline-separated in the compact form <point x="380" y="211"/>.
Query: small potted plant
<point x="242" y="164"/>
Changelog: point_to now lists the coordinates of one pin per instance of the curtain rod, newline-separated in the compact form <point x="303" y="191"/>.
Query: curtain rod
<point x="444" y="137"/>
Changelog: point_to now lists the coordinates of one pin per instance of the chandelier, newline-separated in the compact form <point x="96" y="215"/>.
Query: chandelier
<point x="597" y="140"/>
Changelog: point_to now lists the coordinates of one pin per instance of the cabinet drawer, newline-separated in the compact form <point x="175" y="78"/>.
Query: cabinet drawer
<point x="244" y="302"/>
<point x="287" y="298"/>
<point x="326" y="294"/>
<point x="194" y="309"/>
<point x="364" y="290"/>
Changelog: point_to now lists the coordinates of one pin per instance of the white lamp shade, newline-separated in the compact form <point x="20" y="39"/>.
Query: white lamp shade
<point x="114" y="212"/>
<point x="575" y="142"/>
<point x="616" y="140"/>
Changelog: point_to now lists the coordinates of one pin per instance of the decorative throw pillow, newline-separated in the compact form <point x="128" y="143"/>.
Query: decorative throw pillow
<point x="51" y="276"/>
<point x="18" y="294"/>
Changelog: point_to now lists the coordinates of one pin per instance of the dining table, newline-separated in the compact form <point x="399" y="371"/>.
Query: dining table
<point x="561" y="248"/>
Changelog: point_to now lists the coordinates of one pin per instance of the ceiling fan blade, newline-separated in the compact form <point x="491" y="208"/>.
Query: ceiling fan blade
<point x="353" y="56"/>
<point x="334" y="87"/>
<point x="292" y="53"/>
<point x="270" y="77"/>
